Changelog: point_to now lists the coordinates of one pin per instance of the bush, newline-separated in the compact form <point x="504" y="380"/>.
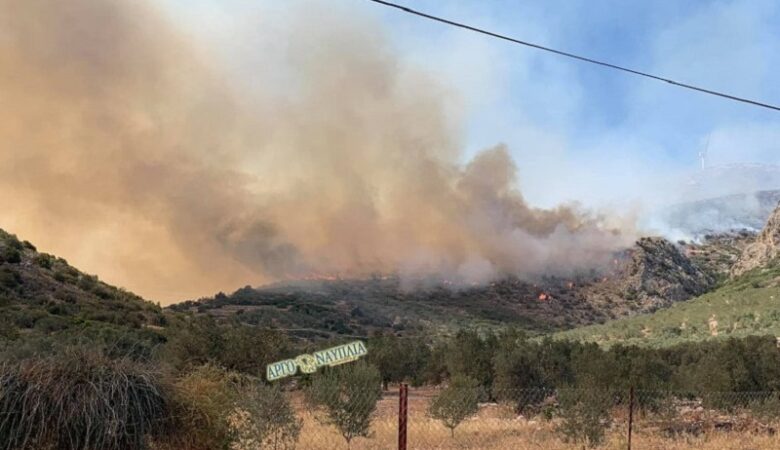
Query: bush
<point x="9" y="278"/>
<point x="347" y="395"/>
<point x="765" y="406"/>
<point x="51" y="324"/>
<point x="219" y="409"/>
<point x="10" y="255"/>
<point x="26" y="318"/>
<point x="205" y="399"/>
<point x="456" y="402"/>
<point x="267" y="420"/>
<point x="87" y="282"/>
<point x="8" y="329"/>
<point x="236" y="347"/>
<point x="81" y="400"/>
<point x="586" y="415"/>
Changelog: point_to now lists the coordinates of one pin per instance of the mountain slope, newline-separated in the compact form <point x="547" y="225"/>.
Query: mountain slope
<point x="655" y="273"/>
<point x="360" y="306"/>
<point x="749" y="305"/>
<point x="746" y="304"/>
<point x="41" y="294"/>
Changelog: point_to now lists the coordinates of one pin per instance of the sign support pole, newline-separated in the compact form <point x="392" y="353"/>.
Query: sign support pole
<point x="403" y="397"/>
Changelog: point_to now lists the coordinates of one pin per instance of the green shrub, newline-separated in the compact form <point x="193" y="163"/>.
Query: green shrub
<point x="10" y="255"/>
<point x="236" y="347"/>
<point x="766" y="406"/>
<point x="267" y="419"/>
<point x="51" y="324"/>
<point x="347" y="395"/>
<point x="8" y="330"/>
<point x="586" y="415"/>
<point x="87" y="282"/>
<point x="455" y="403"/>
<point x="26" y="318"/>
<point x="9" y="278"/>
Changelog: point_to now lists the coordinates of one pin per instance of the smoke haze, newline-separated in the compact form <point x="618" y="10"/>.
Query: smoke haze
<point x="126" y="149"/>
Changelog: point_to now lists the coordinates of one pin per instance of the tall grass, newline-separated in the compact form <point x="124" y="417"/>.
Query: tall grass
<point x="81" y="400"/>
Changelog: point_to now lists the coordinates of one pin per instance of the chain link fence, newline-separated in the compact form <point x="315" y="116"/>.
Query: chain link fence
<point x="461" y="416"/>
<point x="329" y="413"/>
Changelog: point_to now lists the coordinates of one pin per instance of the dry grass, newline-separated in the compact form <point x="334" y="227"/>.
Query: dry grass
<point x="496" y="427"/>
<point x="80" y="400"/>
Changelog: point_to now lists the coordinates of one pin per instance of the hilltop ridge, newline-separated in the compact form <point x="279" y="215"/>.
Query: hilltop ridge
<point x="42" y="294"/>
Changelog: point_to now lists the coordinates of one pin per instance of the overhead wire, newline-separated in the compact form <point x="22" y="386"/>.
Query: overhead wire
<point x="577" y="57"/>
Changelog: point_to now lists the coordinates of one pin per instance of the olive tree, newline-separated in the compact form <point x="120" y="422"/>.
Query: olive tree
<point x="455" y="403"/>
<point x="347" y="396"/>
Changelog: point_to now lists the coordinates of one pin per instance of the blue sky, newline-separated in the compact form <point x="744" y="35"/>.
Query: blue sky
<point x="605" y="135"/>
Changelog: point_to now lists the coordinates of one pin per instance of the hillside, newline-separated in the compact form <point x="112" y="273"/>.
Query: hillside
<point x="320" y="308"/>
<point x="42" y="295"/>
<point x="655" y="273"/>
<point x="748" y="303"/>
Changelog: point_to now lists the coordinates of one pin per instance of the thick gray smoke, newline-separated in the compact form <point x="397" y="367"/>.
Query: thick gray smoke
<point x="126" y="149"/>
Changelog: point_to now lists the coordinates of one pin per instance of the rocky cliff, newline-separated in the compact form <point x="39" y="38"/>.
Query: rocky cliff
<point x="765" y="248"/>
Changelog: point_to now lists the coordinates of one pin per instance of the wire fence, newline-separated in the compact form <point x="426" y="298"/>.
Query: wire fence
<point x="546" y="419"/>
<point x="359" y="417"/>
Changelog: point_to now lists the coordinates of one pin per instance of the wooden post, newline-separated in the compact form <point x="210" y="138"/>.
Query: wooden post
<point x="403" y="397"/>
<point x="630" y="415"/>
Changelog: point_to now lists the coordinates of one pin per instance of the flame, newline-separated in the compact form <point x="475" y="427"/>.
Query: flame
<point x="315" y="276"/>
<point x="543" y="297"/>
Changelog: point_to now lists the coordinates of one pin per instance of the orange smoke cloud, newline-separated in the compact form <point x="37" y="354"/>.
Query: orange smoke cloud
<point x="126" y="150"/>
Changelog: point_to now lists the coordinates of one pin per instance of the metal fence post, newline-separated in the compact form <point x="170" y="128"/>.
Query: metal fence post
<point x="630" y="415"/>
<point x="403" y="396"/>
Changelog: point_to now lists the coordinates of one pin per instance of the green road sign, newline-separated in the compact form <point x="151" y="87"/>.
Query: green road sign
<point x="310" y="363"/>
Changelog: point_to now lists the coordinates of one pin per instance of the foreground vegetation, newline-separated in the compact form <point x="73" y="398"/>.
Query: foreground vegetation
<point x="87" y="366"/>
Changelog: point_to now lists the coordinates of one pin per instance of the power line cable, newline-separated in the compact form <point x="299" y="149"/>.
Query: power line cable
<point x="574" y="56"/>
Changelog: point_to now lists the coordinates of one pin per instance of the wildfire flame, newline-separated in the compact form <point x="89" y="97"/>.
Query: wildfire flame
<point x="315" y="276"/>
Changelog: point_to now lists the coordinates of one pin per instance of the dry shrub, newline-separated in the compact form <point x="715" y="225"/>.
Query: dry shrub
<point x="219" y="409"/>
<point x="81" y="400"/>
<point x="204" y="401"/>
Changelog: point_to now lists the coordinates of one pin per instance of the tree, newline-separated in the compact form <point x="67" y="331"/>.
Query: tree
<point x="267" y="419"/>
<point x="398" y="359"/>
<point x="470" y="355"/>
<point x="457" y="402"/>
<point x="347" y="395"/>
<point x="586" y="415"/>
<point x="233" y="346"/>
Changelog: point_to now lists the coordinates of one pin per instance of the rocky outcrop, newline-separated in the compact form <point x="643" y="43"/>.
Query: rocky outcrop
<point x="765" y="249"/>
<point x="652" y="275"/>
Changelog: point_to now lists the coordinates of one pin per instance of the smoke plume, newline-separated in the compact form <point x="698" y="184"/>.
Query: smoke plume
<point x="125" y="148"/>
